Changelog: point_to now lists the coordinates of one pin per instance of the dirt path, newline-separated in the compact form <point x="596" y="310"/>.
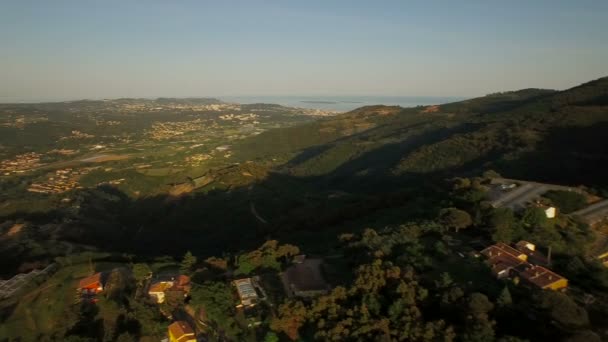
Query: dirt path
<point x="256" y="214"/>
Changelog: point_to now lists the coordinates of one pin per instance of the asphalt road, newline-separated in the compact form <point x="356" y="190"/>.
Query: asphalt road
<point x="593" y="213"/>
<point x="523" y="194"/>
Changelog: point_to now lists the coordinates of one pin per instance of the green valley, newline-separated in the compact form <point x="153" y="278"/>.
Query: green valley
<point x="377" y="224"/>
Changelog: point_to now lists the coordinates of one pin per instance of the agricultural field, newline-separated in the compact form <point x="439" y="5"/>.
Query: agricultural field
<point x="140" y="146"/>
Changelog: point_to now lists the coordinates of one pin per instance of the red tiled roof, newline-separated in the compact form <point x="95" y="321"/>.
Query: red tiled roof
<point x="502" y="257"/>
<point x="540" y="276"/>
<point x="500" y="248"/>
<point x="181" y="329"/>
<point x="504" y="262"/>
<point x="91" y="281"/>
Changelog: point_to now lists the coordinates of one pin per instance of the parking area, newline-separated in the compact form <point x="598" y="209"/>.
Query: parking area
<point x="517" y="194"/>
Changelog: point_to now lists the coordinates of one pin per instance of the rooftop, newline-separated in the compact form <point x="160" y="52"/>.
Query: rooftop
<point x="245" y="289"/>
<point x="90" y="280"/>
<point x="502" y="248"/>
<point x="540" y="276"/>
<point x="306" y="276"/>
<point x="159" y="287"/>
<point x="180" y="329"/>
<point x="506" y="261"/>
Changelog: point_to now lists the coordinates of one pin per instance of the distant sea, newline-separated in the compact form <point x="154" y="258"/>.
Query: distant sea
<point x="342" y="103"/>
<point x="337" y="103"/>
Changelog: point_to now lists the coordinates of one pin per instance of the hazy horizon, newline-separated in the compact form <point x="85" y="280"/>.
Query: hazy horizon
<point x="77" y="50"/>
<point x="333" y="103"/>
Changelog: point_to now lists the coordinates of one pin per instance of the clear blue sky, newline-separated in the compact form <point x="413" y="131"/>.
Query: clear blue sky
<point x="95" y="49"/>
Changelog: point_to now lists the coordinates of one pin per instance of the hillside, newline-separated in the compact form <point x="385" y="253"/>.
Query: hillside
<point x="555" y="132"/>
<point x="365" y="191"/>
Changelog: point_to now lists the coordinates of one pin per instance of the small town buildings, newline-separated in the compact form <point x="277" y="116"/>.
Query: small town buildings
<point x="517" y="264"/>
<point x="247" y="294"/>
<point x="158" y="289"/>
<point x="503" y="258"/>
<point x="91" y="284"/>
<point x="181" y="331"/>
<point x="304" y="279"/>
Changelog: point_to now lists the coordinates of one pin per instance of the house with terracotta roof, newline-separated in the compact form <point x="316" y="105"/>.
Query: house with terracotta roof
<point x="502" y="258"/>
<point x="91" y="284"/>
<point x="542" y="278"/>
<point x="508" y="262"/>
<point x="181" y="331"/>
<point x="158" y="289"/>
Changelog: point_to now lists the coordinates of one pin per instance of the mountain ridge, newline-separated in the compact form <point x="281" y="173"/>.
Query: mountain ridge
<point x="465" y="136"/>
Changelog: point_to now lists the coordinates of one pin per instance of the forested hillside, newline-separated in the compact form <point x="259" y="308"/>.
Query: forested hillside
<point x="540" y="134"/>
<point x="396" y="203"/>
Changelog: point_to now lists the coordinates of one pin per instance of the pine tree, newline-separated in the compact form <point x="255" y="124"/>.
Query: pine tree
<point x="141" y="272"/>
<point x="504" y="299"/>
<point x="188" y="262"/>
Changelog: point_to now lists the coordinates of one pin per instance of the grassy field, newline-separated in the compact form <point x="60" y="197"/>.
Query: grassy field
<point x="41" y="310"/>
<point x="44" y="309"/>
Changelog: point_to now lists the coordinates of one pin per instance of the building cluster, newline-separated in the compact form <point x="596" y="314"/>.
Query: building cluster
<point x="61" y="181"/>
<point x="303" y="279"/>
<point x="21" y="121"/>
<point x="21" y="163"/>
<point x="113" y="181"/>
<point x="318" y="112"/>
<point x="523" y="264"/>
<point x="63" y="152"/>
<point x="156" y="107"/>
<point x="167" y="130"/>
<point x="197" y="159"/>
<point x="249" y="117"/>
<point x="520" y="195"/>
<point x="78" y="135"/>
<point x="107" y="123"/>
<point x="300" y="111"/>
